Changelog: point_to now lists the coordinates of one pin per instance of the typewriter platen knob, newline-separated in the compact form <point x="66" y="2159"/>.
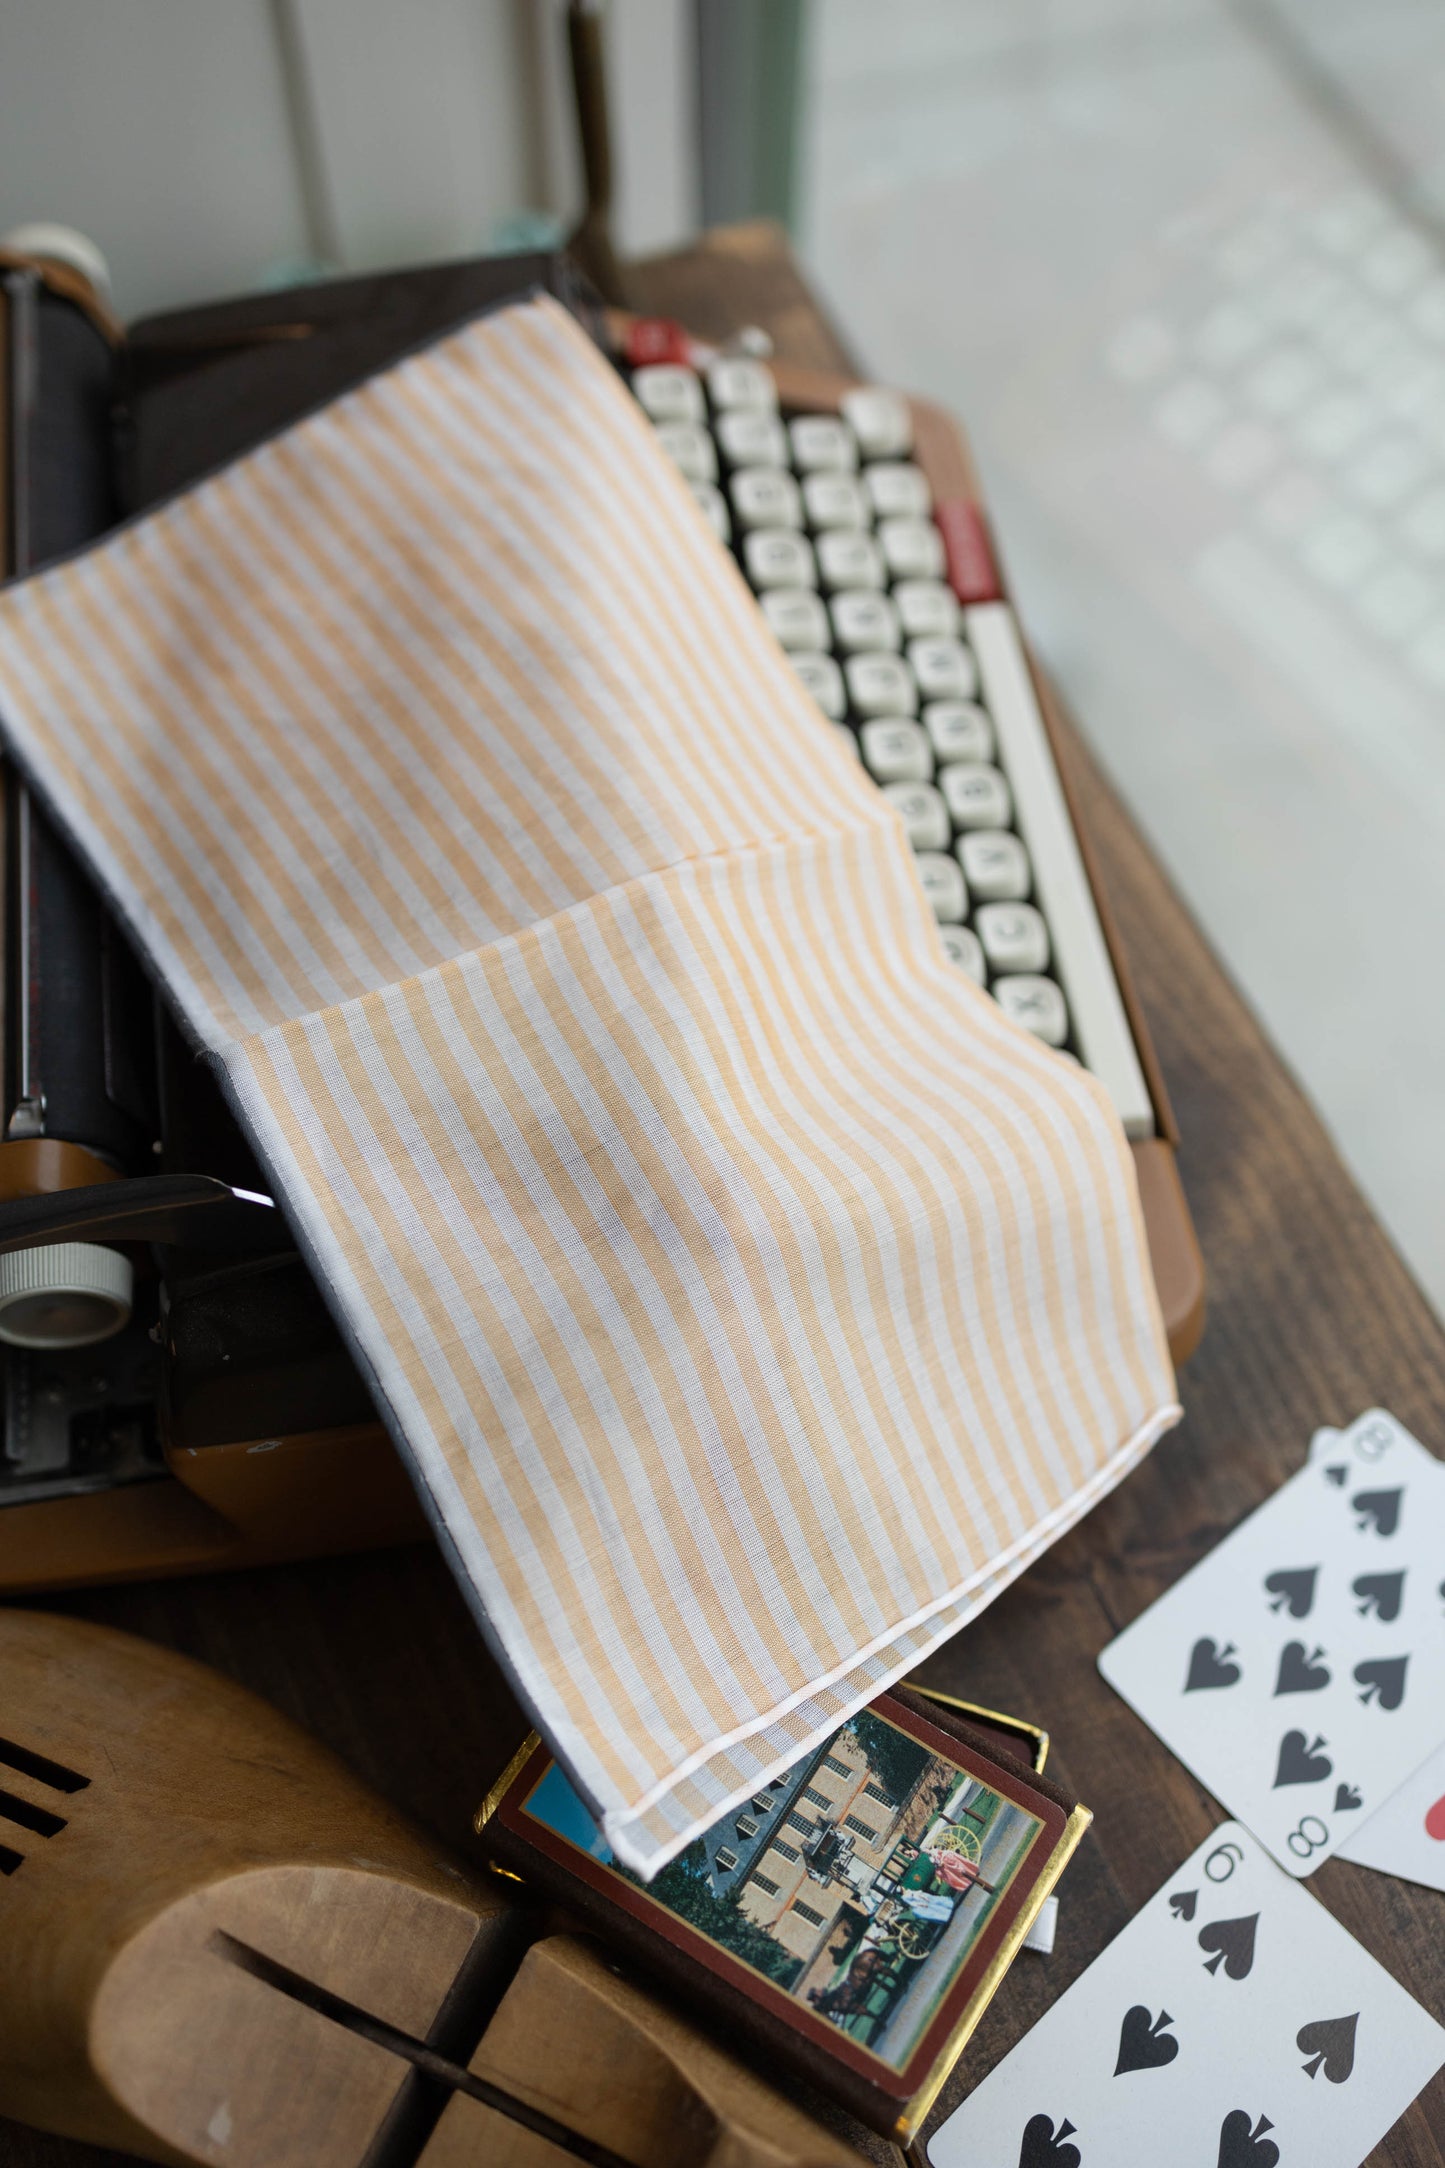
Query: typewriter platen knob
<point x="60" y="244"/>
<point x="67" y="1294"/>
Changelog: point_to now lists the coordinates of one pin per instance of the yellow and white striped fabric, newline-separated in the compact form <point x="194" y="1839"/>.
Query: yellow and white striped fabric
<point x="750" y="1300"/>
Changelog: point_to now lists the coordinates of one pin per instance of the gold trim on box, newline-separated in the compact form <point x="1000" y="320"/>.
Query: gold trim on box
<point x="498" y="1791"/>
<point x="917" y="2109"/>
<point x="1039" y="1751"/>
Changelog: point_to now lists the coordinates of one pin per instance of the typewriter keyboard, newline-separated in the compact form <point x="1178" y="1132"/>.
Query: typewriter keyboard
<point x="832" y="522"/>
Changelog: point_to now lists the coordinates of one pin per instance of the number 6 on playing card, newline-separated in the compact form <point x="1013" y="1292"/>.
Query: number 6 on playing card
<point x="1232" y="2024"/>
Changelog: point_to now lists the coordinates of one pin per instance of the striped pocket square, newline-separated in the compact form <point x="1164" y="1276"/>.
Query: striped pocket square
<point x="750" y="1301"/>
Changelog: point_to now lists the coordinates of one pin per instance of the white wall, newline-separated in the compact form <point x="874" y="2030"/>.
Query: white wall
<point x="422" y="120"/>
<point x="168" y="131"/>
<point x="157" y="126"/>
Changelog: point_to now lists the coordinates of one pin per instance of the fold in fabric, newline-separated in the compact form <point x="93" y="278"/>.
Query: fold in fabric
<point x="748" y="1298"/>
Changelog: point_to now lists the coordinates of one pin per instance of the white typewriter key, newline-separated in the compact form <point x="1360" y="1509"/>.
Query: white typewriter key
<point x="863" y="620"/>
<point x="775" y="557"/>
<point x="898" y="490"/>
<point x="797" y="617"/>
<point x="669" y="393"/>
<point x="995" y="865"/>
<point x="715" y="509"/>
<point x="943" y="883"/>
<point x="959" y="729"/>
<point x="736" y="384"/>
<point x="927" y="609"/>
<point x="944" y="669"/>
<point x="844" y="733"/>
<point x="925" y="816"/>
<point x="962" y="948"/>
<point x="834" y="500"/>
<point x="752" y="440"/>
<point x="1014" y="936"/>
<point x="880" y="420"/>
<point x="849" y="559"/>
<point x="895" y="751"/>
<point x="690" y="448"/>
<point x="881" y="685"/>
<point x="824" y="681"/>
<point x="977" y="795"/>
<point x="1035" y="1003"/>
<point x="822" y="444"/>
<point x="913" y="548"/>
<point x="765" y="497"/>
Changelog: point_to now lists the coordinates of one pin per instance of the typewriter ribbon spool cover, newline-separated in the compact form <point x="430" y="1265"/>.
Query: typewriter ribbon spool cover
<point x="749" y="1299"/>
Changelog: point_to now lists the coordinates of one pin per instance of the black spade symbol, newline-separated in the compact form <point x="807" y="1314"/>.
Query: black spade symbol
<point x="1329" y="2045"/>
<point x="1383" y="1679"/>
<point x="1292" y="1589"/>
<point x="1301" y="1762"/>
<point x="1338" y="1476"/>
<point x="1300" y="1673"/>
<point x="1143" y="2042"/>
<point x="1346" y="1798"/>
<point x="1044" y="2147"/>
<point x="1209" y="1665"/>
<point x="1378" y="1509"/>
<point x="1184" y="1903"/>
<point x="1380" y="1593"/>
<point x="1241" y="2147"/>
<point x="1232" y="1942"/>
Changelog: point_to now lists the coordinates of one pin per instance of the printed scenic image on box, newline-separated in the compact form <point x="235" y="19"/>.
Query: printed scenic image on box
<point x="859" y="1883"/>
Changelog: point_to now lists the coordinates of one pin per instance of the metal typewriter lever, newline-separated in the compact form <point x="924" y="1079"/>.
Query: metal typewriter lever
<point x="193" y="1211"/>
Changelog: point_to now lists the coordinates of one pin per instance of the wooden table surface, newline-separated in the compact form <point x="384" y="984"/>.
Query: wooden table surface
<point x="1312" y="1318"/>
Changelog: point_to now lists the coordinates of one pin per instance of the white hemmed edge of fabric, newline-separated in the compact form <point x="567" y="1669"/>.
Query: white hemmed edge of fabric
<point x="648" y="1860"/>
<point x="637" y="1846"/>
<point x="646" y="1856"/>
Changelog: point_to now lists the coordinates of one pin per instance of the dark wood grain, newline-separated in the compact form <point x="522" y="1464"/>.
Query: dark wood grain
<point x="1312" y="1318"/>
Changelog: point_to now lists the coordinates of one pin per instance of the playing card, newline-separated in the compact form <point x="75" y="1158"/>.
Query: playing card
<point x="1407" y="1836"/>
<point x="1232" y="2024"/>
<point x="1299" y="1669"/>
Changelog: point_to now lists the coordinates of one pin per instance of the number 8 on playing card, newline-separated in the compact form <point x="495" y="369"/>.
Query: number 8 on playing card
<point x="1299" y="1669"/>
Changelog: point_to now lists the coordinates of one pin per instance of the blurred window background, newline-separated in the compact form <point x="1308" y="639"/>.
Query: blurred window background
<point x="1178" y="264"/>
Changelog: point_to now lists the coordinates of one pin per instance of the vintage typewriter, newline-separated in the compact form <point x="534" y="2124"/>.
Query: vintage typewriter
<point x="176" y="1397"/>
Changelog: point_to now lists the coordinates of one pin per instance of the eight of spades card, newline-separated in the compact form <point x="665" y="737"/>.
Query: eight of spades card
<point x="1232" y="2024"/>
<point x="1406" y="1836"/>
<point x="1299" y="1669"/>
